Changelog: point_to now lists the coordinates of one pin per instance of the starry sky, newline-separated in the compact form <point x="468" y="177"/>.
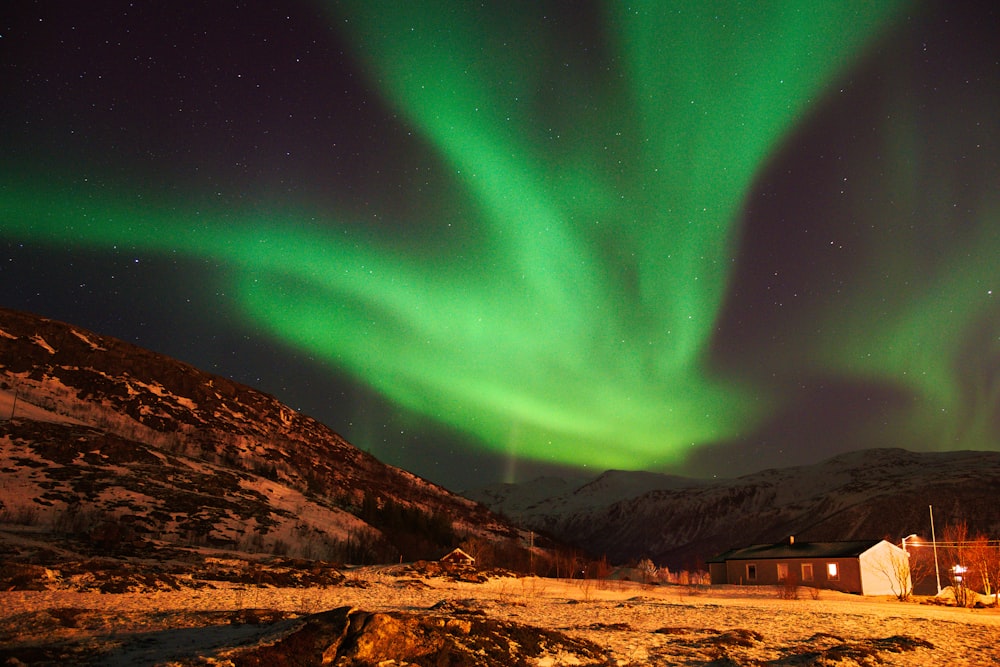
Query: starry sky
<point x="489" y="241"/>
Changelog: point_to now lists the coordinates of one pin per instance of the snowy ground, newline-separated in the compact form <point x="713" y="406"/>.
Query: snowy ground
<point x="636" y="625"/>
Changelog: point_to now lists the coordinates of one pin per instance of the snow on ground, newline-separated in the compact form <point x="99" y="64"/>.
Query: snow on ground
<point x="638" y="625"/>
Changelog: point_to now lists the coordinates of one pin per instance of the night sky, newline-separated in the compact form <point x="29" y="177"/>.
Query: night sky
<point x="490" y="242"/>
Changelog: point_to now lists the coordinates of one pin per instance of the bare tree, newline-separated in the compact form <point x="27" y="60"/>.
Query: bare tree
<point x="993" y="567"/>
<point x="647" y="570"/>
<point x="897" y="569"/>
<point x="483" y="550"/>
<point x="921" y="561"/>
<point x="602" y="571"/>
<point x="983" y="560"/>
<point x="956" y="540"/>
<point x="566" y="563"/>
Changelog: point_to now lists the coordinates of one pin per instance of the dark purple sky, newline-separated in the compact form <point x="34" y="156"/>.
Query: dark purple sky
<point x="851" y="273"/>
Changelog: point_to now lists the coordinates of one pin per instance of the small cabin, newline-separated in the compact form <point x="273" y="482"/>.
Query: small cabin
<point x="458" y="557"/>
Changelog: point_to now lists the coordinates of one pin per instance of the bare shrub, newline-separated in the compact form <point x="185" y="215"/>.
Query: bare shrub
<point x="21" y="515"/>
<point x="75" y="520"/>
<point x="788" y="588"/>
<point x="694" y="589"/>
<point x="252" y="542"/>
<point x="280" y="548"/>
<point x="533" y="587"/>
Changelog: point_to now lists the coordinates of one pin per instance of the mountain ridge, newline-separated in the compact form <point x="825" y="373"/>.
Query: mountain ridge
<point x="105" y="439"/>
<point x="169" y="452"/>
<point x="682" y="522"/>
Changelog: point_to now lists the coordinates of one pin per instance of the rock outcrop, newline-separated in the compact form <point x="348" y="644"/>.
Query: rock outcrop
<point x="347" y="637"/>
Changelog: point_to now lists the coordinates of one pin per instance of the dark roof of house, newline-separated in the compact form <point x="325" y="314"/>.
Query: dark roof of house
<point x="785" y="549"/>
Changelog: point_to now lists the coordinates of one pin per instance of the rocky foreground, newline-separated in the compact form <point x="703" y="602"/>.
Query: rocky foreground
<point x="398" y="616"/>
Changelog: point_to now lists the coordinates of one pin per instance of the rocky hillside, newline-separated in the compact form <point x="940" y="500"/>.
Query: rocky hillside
<point x="680" y="523"/>
<point x="122" y="446"/>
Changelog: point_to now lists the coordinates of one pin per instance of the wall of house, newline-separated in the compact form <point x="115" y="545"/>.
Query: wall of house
<point x="883" y="570"/>
<point x="848" y="580"/>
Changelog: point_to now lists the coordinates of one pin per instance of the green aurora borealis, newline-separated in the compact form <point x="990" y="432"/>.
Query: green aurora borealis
<point x="581" y="280"/>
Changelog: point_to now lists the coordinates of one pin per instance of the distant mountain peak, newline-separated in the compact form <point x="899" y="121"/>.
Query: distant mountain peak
<point x="679" y="522"/>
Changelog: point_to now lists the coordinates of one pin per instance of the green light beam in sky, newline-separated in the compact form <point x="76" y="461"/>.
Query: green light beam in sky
<point x="574" y="328"/>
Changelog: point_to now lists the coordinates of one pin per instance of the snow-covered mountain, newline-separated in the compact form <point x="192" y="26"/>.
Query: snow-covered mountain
<point x="682" y="522"/>
<point x="107" y="440"/>
<point x="542" y="503"/>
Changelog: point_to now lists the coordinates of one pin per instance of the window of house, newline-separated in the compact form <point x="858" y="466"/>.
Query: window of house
<point x="782" y="571"/>
<point x="807" y="571"/>
<point x="751" y="572"/>
<point x="832" y="571"/>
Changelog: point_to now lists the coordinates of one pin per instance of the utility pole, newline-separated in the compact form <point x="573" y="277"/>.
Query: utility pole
<point x="937" y="573"/>
<point x="13" y="405"/>
<point x="531" y="552"/>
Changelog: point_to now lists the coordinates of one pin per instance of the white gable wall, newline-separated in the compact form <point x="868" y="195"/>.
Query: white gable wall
<point x="878" y="569"/>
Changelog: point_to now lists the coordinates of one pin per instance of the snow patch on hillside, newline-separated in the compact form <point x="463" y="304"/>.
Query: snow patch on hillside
<point x="42" y="343"/>
<point x="82" y="336"/>
<point x="17" y="490"/>
<point x="27" y="410"/>
<point x="333" y="522"/>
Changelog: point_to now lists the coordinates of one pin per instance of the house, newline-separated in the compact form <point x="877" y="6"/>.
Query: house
<point x="868" y="567"/>
<point x="458" y="557"/>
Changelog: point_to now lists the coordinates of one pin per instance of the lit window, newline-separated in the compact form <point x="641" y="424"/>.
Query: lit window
<point x="782" y="571"/>
<point x="807" y="572"/>
<point x="751" y="572"/>
<point x="832" y="571"/>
